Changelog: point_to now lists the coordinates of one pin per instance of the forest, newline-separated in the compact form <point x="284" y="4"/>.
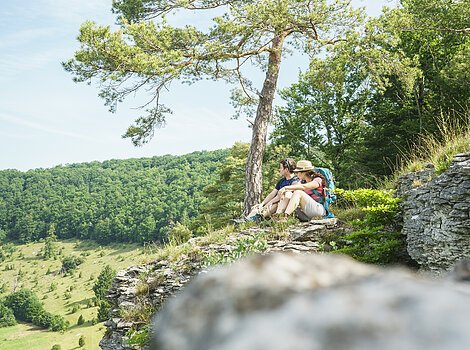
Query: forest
<point x="134" y="200"/>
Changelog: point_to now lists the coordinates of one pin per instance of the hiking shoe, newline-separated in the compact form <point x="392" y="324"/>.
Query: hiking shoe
<point x="255" y="218"/>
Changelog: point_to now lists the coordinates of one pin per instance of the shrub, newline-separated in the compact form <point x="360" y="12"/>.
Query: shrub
<point x="81" y="320"/>
<point x="373" y="241"/>
<point x="379" y="206"/>
<point x="27" y="307"/>
<point x="139" y="337"/>
<point x="24" y="304"/>
<point x="70" y="263"/>
<point x="81" y="341"/>
<point x="7" y="318"/>
<point x="75" y="308"/>
<point x="56" y="347"/>
<point x="179" y="234"/>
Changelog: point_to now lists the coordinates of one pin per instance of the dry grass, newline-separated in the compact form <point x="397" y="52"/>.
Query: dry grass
<point x="453" y="138"/>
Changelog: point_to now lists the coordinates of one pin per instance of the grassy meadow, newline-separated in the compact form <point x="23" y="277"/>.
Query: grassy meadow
<point x="26" y="268"/>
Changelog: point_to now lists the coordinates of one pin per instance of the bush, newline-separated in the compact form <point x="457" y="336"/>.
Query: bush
<point x="139" y="337"/>
<point x="373" y="241"/>
<point x="75" y="308"/>
<point x="7" y="318"/>
<point x="27" y="307"/>
<point x="56" y="347"/>
<point x="70" y="263"/>
<point x="379" y="206"/>
<point x="81" y="320"/>
<point x="24" y="304"/>
<point x="81" y="341"/>
<point x="55" y="323"/>
<point x="179" y="234"/>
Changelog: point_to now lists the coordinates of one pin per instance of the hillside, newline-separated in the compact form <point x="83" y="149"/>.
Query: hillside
<point x="59" y="294"/>
<point x="133" y="200"/>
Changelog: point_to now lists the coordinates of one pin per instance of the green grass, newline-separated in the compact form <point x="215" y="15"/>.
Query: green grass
<point x="27" y="259"/>
<point x="453" y="138"/>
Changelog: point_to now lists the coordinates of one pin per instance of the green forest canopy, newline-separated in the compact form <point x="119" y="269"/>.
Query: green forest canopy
<point x="134" y="200"/>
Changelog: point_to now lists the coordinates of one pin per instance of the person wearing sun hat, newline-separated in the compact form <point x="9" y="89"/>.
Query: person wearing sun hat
<point x="305" y="196"/>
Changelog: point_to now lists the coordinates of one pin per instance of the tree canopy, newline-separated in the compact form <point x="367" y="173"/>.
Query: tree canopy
<point x="362" y="107"/>
<point x="132" y="200"/>
<point x="148" y="53"/>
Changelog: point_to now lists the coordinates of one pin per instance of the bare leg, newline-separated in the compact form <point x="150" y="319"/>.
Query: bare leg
<point x="268" y="211"/>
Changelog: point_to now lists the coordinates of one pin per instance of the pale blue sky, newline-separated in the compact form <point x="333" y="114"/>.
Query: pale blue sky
<point x="46" y="119"/>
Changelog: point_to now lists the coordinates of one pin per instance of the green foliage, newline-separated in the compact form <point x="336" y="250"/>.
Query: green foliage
<point x="373" y="245"/>
<point x="224" y="197"/>
<point x="373" y="241"/>
<point x="243" y="247"/>
<point x="132" y="200"/>
<point x="24" y="304"/>
<point x="103" y="310"/>
<point x="81" y="320"/>
<point x="27" y="307"/>
<point x="70" y="263"/>
<point x="50" y="249"/>
<point x="179" y="234"/>
<point x="7" y="318"/>
<point x="379" y="206"/>
<point x="103" y="282"/>
<point x="81" y="341"/>
<point x="189" y="54"/>
<point x="360" y="108"/>
<point x="56" y="347"/>
<point x="139" y="337"/>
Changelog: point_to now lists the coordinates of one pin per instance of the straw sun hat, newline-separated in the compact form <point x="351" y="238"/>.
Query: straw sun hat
<point x="304" y="165"/>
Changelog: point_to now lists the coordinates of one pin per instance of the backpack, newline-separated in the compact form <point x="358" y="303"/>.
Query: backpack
<point x="328" y="196"/>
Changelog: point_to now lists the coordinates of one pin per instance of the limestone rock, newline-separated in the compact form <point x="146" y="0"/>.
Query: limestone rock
<point x="313" y="302"/>
<point x="436" y="215"/>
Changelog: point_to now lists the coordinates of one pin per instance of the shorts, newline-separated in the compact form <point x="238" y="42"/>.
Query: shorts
<point x="312" y="209"/>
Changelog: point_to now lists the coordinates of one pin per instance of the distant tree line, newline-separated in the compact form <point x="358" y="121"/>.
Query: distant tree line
<point x="134" y="200"/>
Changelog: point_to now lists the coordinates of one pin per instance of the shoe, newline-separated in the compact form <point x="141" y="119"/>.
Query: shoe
<point x="238" y="221"/>
<point x="255" y="218"/>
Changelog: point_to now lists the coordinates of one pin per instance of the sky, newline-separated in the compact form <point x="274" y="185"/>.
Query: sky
<point x="46" y="119"/>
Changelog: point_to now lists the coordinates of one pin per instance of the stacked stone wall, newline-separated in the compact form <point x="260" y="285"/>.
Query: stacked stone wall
<point x="436" y="214"/>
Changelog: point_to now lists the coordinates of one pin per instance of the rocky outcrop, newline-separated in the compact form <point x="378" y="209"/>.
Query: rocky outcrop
<point x="292" y="302"/>
<point x="141" y="290"/>
<point x="436" y="214"/>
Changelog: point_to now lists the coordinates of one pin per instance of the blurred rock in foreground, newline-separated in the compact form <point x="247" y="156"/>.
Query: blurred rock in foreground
<point x="286" y="301"/>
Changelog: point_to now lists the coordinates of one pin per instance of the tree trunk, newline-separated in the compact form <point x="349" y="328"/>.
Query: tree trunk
<point x="253" y="186"/>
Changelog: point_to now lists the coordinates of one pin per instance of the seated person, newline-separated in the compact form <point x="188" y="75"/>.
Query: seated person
<point x="304" y="196"/>
<point x="269" y="205"/>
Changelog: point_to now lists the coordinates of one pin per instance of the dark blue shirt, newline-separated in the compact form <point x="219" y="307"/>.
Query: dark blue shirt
<point x="286" y="182"/>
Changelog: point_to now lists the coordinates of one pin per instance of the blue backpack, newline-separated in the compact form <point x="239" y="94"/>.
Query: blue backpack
<point x="328" y="196"/>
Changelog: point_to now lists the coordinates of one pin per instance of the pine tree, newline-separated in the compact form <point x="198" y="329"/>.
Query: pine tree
<point x="81" y="320"/>
<point x="49" y="243"/>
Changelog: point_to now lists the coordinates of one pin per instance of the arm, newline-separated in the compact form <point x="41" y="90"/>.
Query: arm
<point x="309" y="185"/>
<point x="270" y="197"/>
